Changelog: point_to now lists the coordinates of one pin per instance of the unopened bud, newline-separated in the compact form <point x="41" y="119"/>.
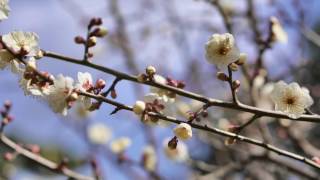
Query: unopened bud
<point x="222" y="76"/>
<point x="95" y="22"/>
<point x="8" y="156"/>
<point x="114" y="94"/>
<point x="142" y="78"/>
<point x="316" y="159"/>
<point x="100" y="84"/>
<point x="205" y="114"/>
<point x="172" y="144"/>
<point x="90" y="55"/>
<point x="31" y="66"/>
<point x="79" y="40"/>
<point x="92" y="41"/>
<point x="150" y="70"/>
<point x="229" y="141"/>
<point x="233" y="67"/>
<point x="236" y="84"/>
<point x="39" y="55"/>
<point x="139" y="107"/>
<point x="242" y="59"/>
<point x="100" y="32"/>
<point x="181" y="85"/>
<point x="34" y="148"/>
<point x="73" y="97"/>
<point x="7" y="104"/>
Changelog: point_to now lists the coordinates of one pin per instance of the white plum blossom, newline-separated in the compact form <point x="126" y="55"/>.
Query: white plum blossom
<point x="4" y="9"/>
<point x="183" y="131"/>
<point x="120" y="145"/>
<point x="84" y="84"/>
<point x="221" y="50"/>
<point x="59" y="97"/>
<point x="8" y="60"/>
<point x="19" y="40"/>
<point x="291" y="98"/>
<point x="151" y="98"/>
<point x="179" y="154"/>
<point x="99" y="133"/>
<point x="161" y="92"/>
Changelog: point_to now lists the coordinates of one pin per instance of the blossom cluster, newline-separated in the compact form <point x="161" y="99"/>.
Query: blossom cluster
<point x="21" y="52"/>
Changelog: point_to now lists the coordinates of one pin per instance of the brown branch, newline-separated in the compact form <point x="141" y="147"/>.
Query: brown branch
<point x="188" y="94"/>
<point x="41" y="160"/>
<point x="212" y="130"/>
<point x="225" y="17"/>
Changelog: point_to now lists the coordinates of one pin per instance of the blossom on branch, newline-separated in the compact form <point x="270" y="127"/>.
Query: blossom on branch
<point x="7" y="59"/>
<point x="139" y="107"/>
<point x="85" y="84"/>
<point x="183" y="131"/>
<point x="291" y="98"/>
<point x="22" y="43"/>
<point x="31" y="83"/>
<point x="61" y="95"/>
<point x="4" y="9"/>
<point x="221" y="50"/>
<point x="161" y="92"/>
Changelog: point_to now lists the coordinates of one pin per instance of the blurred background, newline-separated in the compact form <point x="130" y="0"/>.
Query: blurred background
<point x="171" y="36"/>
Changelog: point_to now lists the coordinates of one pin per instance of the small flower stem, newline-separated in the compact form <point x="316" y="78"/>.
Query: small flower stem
<point x="233" y="89"/>
<point x="86" y="46"/>
<point x="112" y="86"/>
<point x="199" y="112"/>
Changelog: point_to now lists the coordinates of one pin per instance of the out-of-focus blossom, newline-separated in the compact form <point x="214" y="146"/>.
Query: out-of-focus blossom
<point x="4" y="9"/>
<point x="99" y="133"/>
<point x="179" y="154"/>
<point x="120" y="145"/>
<point x="149" y="158"/>
<point x="20" y="42"/>
<point x="278" y="33"/>
<point x="221" y="50"/>
<point x="291" y="99"/>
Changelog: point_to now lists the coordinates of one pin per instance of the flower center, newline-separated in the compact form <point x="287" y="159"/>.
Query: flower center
<point x="290" y="100"/>
<point x="225" y="47"/>
<point x="224" y="50"/>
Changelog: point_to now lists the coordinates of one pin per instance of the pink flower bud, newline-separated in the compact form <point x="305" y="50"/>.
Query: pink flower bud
<point x="100" y="84"/>
<point x="79" y="40"/>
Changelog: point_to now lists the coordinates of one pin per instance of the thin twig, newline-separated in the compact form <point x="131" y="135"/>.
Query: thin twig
<point x="212" y="130"/>
<point x="188" y="94"/>
<point x="41" y="160"/>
